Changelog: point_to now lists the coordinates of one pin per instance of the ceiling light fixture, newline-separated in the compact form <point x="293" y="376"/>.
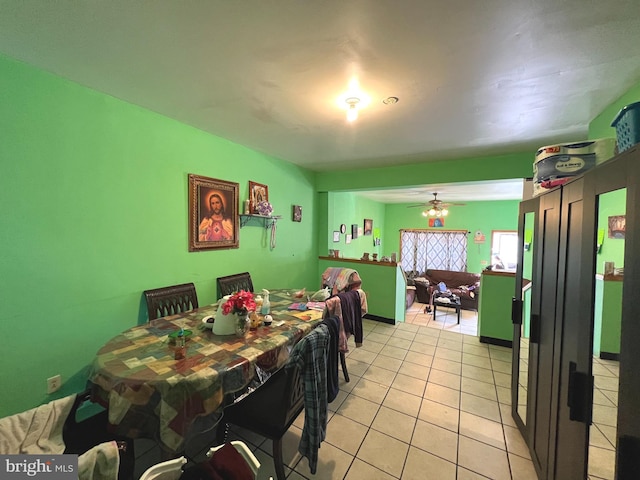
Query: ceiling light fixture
<point x="353" y="100"/>
<point x="352" y="110"/>
<point x="436" y="211"/>
<point x="390" y="100"/>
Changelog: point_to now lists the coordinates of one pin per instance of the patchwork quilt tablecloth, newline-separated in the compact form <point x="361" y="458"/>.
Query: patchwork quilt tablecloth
<point x="150" y="394"/>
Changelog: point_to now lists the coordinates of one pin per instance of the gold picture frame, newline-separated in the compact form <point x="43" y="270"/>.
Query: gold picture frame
<point x="257" y="193"/>
<point x="213" y="214"/>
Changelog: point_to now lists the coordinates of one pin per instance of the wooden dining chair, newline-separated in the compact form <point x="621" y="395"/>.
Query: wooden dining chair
<point x="165" y="301"/>
<point x="234" y="283"/>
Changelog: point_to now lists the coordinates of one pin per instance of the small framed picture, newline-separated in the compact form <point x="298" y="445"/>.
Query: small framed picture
<point x="368" y="226"/>
<point x="297" y="213"/>
<point x="336" y="236"/>
<point x="257" y="193"/>
<point x="354" y="230"/>
<point x="617" y="226"/>
<point x="347" y="238"/>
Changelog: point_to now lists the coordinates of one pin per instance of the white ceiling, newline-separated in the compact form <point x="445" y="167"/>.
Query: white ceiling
<point x="473" y="77"/>
<point x="450" y="192"/>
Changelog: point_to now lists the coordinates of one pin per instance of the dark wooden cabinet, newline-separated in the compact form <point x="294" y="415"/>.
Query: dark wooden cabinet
<point x="553" y="366"/>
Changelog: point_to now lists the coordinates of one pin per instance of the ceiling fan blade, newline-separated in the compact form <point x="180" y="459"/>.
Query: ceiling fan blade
<point x="423" y="205"/>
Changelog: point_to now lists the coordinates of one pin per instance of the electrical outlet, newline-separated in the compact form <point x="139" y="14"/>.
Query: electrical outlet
<point x="54" y="383"/>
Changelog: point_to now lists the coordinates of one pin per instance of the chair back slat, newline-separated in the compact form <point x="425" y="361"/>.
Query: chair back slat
<point x="234" y="283"/>
<point x="165" y="301"/>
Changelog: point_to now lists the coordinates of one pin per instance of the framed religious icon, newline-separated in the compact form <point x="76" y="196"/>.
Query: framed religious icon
<point x="297" y="213"/>
<point x="213" y="214"/>
<point x="257" y="193"/>
<point x="368" y="226"/>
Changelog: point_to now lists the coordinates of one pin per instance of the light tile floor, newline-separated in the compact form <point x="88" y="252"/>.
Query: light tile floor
<point x="446" y="319"/>
<point x="602" y="432"/>
<point x="423" y="402"/>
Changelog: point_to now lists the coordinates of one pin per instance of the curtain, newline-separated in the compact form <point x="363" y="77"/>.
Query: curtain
<point x="425" y="249"/>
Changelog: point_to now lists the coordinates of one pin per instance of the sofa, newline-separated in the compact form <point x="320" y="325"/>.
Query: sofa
<point x="463" y="284"/>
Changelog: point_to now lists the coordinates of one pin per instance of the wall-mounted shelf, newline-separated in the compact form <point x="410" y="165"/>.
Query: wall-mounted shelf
<point x="265" y="220"/>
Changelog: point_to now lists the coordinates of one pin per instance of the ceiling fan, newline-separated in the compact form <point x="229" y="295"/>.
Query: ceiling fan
<point x="435" y="207"/>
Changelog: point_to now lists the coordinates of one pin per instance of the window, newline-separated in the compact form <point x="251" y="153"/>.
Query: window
<point x="504" y="250"/>
<point x="421" y="250"/>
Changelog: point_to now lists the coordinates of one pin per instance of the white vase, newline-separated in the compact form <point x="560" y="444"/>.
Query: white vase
<point x="224" y="324"/>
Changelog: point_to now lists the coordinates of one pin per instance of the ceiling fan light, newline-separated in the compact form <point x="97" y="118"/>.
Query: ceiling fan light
<point x="432" y="212"/>
<point x="425" y="213"/>
<point x="445" y="212"/>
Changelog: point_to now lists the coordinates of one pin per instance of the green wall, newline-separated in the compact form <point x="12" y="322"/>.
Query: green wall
<point x="350" y="209"/>
<point x="383" y="284"/>
<point x="607" y="317"/>
<point x="494" y="306"/>
<point x="94" y="211"/>
<point x="600" y="126"/>
<point x="612" y="250"/>
<point x="516" y="165"/>
<point x="474" y="216"/>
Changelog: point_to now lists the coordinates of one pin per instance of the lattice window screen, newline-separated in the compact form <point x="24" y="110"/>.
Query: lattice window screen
<point x="425" y="249"/>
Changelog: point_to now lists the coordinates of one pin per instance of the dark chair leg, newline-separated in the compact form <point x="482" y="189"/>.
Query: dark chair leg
<point x="277" y="458"/>
<point x="343" y="362"/>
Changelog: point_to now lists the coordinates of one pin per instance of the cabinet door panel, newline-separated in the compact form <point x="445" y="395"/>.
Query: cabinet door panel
<point x="543" y="326"/>
<point x="613" y="177"/>
<point x="575" y="277"/>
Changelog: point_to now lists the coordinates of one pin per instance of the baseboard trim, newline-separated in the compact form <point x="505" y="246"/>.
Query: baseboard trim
<point x="610" y="356"/>
<point x="377" y="318"/>
<point x="496" y="341"/>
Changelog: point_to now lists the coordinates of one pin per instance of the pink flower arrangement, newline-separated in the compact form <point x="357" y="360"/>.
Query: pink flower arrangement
<point x="241" y="302"/>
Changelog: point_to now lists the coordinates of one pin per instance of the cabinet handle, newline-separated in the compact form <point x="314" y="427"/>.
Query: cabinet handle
<point x="534" y="328"/>
<point x="580" y="395"/>
<point x="516" y="311"/>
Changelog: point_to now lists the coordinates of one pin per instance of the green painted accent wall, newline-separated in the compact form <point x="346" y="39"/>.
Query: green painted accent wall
<point x="494" y="306"/>
<point x="611" y="204"/>
<point x="600" y="126"/>
<point x="94" y="211"/>
<point x="516" y="165"/>
<point x="611" y="316"/>
<point x="483" y="216"/>
<point x="379" y="283"/>
<point x="351" y="210"/>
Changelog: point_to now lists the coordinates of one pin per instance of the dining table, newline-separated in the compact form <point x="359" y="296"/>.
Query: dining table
<point x="151" y="392"/>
